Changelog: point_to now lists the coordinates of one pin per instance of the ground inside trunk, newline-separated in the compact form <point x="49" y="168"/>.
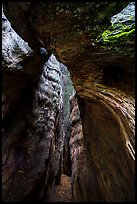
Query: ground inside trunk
<point x="61" y="192"/>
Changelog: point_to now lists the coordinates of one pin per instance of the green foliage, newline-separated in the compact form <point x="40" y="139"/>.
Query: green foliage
<point x="115" y="32"/>
<point x="119" y="38"/>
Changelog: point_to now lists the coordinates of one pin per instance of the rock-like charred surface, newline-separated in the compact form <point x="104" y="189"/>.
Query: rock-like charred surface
<point x="32" y="120"/>
<point x="96" y="158"/>
<point x="110" y="143"/>
<point x="21" y="66"/>
<point x="31" y="143"/>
